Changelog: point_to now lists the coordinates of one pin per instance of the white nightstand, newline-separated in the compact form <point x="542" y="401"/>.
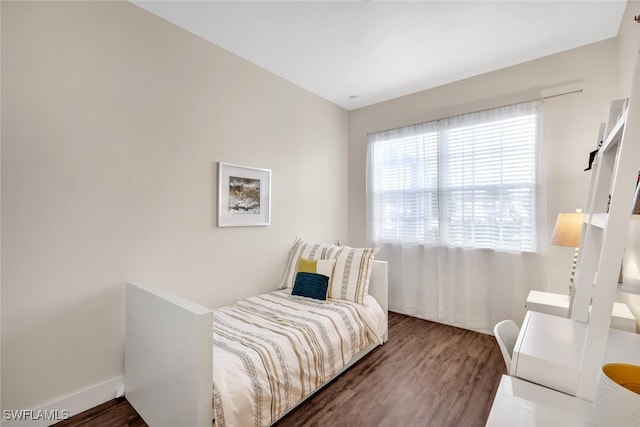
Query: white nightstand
<point x="558" y="305"/>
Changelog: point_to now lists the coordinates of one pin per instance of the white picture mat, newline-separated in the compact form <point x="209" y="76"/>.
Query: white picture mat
<point x="227" y="218"/>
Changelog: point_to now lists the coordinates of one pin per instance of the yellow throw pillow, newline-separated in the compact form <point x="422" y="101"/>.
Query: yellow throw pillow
<point x="320" y="266"/>
<point x="307" y="265"/>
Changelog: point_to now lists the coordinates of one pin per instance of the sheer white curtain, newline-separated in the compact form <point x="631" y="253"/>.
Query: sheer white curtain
<point x="456" y="207"/>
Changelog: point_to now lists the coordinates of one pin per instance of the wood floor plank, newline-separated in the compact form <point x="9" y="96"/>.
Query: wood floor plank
<point x="114" y="413"/>
<point x="427" y="374"/>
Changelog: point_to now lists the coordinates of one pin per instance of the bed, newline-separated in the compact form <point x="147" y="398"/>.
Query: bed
<point x="186" y="365"/>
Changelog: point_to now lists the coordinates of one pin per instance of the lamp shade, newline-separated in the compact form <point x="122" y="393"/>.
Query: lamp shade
<point x="567" y="230"/>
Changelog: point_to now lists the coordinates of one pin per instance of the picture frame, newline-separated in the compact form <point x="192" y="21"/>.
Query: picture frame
<point x="244" y="196"/>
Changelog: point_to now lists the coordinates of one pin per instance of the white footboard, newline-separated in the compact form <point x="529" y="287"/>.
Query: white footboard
<point x="379" y="288"/>
<point x="168" y="358"/>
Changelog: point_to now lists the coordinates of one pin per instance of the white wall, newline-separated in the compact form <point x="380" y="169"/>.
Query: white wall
<point x="604" y="70"/>
<point x="0" y="215"/>
<point x="113" y="121"/>
<point x="572" y="127"/>
<point x="628" y="45"/>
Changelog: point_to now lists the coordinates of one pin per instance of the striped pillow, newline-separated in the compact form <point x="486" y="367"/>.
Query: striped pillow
<point x="351" y="274"/>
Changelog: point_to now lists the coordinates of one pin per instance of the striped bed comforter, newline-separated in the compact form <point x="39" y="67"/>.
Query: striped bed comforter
<point x="272" y="350"/>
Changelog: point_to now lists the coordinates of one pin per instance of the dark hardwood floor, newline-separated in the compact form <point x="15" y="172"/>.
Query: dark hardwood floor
<point x="427" y="374"/>
<point x="114" y="413"/>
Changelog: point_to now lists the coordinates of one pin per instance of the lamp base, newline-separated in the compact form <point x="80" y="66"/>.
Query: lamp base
<point x="573" y="270"/>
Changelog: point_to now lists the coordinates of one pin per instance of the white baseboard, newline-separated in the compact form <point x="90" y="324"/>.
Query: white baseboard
<point x="63" y="408"/>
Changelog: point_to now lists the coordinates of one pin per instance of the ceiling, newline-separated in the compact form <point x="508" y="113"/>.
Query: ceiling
<point x="358" y="53"/>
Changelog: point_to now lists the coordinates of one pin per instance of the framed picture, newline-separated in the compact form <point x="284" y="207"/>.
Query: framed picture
<point x="244" y="196"/>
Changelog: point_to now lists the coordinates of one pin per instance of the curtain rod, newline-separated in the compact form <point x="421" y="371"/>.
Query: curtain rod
<point x="542" y="98"/>
<point x="539" y="98"/>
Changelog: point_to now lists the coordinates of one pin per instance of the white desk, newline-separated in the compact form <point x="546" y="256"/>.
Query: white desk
<point x="549" y="350"/>
<point x="558" y="305"/>
<point x="519" y="403"/>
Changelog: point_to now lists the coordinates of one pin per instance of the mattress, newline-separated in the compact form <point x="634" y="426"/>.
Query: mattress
<point x="271" y="351"/>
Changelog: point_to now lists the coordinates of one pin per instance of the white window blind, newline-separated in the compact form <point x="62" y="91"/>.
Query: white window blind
<point x="467" y="181"/>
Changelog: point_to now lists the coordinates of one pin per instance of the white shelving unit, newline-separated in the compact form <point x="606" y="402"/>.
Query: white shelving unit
<point x="566" y="354"/>
<point x="558" y="305"/>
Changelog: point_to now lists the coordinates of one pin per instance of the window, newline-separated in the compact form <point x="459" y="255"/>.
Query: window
<point x="467" y="181"/>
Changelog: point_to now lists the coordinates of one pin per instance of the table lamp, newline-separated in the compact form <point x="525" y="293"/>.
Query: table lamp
<point x="567" y="233"/>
